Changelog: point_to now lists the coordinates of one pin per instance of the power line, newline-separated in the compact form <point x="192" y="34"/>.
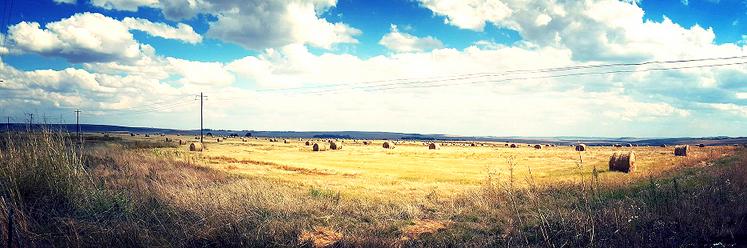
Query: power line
<point x="429" y="84"/>
<point x="397" y="81"/>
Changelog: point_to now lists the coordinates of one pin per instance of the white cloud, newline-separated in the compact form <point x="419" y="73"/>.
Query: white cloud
<point x="181" y="32"/>
<point x="260" y="24"/>
<point x="654" y="103"/>
<point x="403" y="42"/>
<point x="254" y="24"/>
<point x="93" y="37"/>
<point x="83" y="37"/>
<point x="469" y="14"/>
<point x="65" y="1"/>
<point x="128" y="5"/>
<point x="201" y="73"/>
<point x="606" y="30"/>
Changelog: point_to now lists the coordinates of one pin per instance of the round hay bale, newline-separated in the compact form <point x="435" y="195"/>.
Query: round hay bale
<point x="681" y="150"/>
<point x="217" y="140"/>
<point x="513" y="145"/>
<point x="388" y="145"/>
<point x="195" y="147"/>
<point x="147" y="135"/>
<point x="308" y="143"/>
<point x="433" y="146"/>
<point x="366" y="142"/>
<point x="537" y="146"/>
<point x="581" y="147"/>
<point x="621" y="161"/>
<point x="132" y="134"/>
<point x="335" y="145"/>
<point x="617" y="145"/>
<point x="317" y="147"/>
<point x="663" y="145"/>
<point x="628" y="145"/>
<point x="472" y="144"/>
<point x="286" y="141"/>
<point x="701" y="145"/>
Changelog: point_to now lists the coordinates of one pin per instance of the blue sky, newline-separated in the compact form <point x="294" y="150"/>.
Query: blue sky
<point x="247" y="54"/>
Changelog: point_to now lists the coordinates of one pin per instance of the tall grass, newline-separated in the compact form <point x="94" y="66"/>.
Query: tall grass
<point x="123" y="194"/>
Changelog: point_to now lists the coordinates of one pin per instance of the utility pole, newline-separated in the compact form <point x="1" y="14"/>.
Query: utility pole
<point x="77" y="123"/>
<point x="7" y="124"/>
<point x="201" y="99"/>
<point x="31" y="121"/>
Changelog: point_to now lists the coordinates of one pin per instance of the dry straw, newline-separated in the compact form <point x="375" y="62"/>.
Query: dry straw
<point x="195" y="147"/>
<point x="433" y="146"/>
<point x="621" y="161"/>
<point x="581" y="147"/>
<point x="334" y="145"/>
<point x="681" y="150"/>
<point x="388" y="145"/>
<point x="317" y="147"/>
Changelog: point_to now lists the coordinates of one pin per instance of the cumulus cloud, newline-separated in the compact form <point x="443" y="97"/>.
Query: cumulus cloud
<point x="255" y="24"/>
<point x="247" y="93"/>
<point x="83" y="37"/>
<point x="201" y="73"/>
<point x="403" y="42"/>
<point x="92" y="37"/>
<point x="181" y="32"/>
<point x="605" y="30"/>
<point x="261" y="24"/>
<point x="128" y="5"/>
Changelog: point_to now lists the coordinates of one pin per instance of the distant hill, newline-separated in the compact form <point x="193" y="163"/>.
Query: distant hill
<point x="560" y="140"/>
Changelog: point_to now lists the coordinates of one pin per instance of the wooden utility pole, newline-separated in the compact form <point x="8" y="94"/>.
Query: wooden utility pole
<point x="202" y="97"/>
<point x="77" y="123"/>
<point x="31" y="122"/>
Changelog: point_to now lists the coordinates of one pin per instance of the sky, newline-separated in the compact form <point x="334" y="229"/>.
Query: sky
<point x="464" y="67"/>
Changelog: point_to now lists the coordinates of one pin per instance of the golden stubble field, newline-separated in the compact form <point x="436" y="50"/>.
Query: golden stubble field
<point x="412" y="170"/>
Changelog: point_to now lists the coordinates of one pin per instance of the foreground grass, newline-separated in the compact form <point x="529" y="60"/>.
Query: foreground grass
<point x="115" y="194"/>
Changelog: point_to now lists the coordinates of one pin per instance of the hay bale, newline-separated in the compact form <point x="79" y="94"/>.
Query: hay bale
<point x="581" y="147"/>
<point x="317" y="147"/>
<point x="701" y="145"/>
<point x="147" y="135"/>
<point x="307" y="143"/>
<point x="537" y="146"/>
<point x="433" y="146"/>
<point x="663" y="145"/>
<point x="335" y="145"/>
<point x="681" y="150"/>
<point x="513" y="145"/>
<point x="617" y="145"/>
<point x="388" y="145"/>
<point x="195" y="147"/>
<point x="621" y="161"/>
<point x="132" y="134"/>
<point x="628" y="145"/>
<point x="472" y="144"/>
<point x="217" y="140"/>
<point x="286" y="141"/>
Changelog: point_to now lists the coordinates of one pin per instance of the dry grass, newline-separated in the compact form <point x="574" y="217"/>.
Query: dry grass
<point x="274" y="194"/>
